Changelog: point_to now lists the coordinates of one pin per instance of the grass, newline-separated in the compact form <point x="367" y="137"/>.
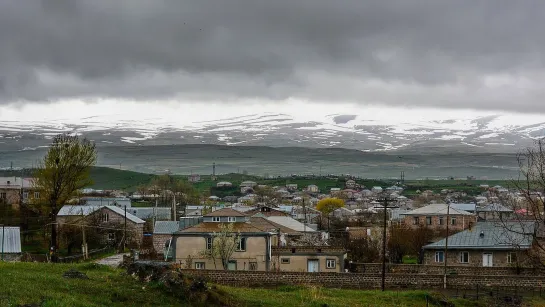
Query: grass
<point x="39" y="283"/>
<point x="410" y="259"/>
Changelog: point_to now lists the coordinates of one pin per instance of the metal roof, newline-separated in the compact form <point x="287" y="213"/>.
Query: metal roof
<point x="464" y="207"/>
<point x="162" y="213"/>
<point x="493" y="208"/>
<point x="107" y="201"/>
<point x="290" y="223"/>
<point x="165" y="227"/>
<point x="437" y="209"/>
<point x="86" y="210"/>
<point x="490" y="235"/>
<point x="11" y="239"/>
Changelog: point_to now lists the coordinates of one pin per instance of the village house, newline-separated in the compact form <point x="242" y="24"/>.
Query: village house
<point x="261" y="238"/>
<point x="10" y="243"/>
<point x="313" y="189"/>
<point x="434" y="216"/>
<point x="224" y="184"/>
<point x="14" y="190"/>
<point x="162" y="237"/>
<point x="194" y="178"/>
<point x="494" y="212"/>
<point x="488" y="244"/>
<point x="110" y="216"/>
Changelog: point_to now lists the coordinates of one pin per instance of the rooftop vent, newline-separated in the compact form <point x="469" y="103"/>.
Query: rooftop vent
<point x="482" y="234"/>
<point x="9" y="182"/>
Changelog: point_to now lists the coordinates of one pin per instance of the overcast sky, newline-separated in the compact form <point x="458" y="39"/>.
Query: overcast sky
<point x="486" y="55"/>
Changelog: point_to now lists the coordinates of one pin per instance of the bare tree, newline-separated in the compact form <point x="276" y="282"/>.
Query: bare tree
<point x="528" y="204"/>
<point x="63" y="171"/>
<point x="224" y="244"/>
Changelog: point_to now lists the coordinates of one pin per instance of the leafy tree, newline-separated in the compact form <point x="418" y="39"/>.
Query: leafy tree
<point x="328" y="205"/>
<point x="63" y="171"/>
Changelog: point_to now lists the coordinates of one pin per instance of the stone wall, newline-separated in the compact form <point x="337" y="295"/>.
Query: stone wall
<point x="376" y="268"/>
<point x="365" y="281"/>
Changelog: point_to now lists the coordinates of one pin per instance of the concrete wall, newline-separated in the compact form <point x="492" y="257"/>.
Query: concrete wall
<point x="159" y="241"/>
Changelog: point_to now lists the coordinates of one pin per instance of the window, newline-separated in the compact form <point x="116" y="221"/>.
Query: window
<point x="3" y="195"/>
<point x="285" y="260"/>
<point x="428" y="220"/>
<point x="441" y="221"/>
<point x="209" y="243"/>
<point x="511" y="257"/>
<point x="241" y="245"/>
<point x="415" y="220"/>
<point x="104" y="217"/>
<point x="453" y="221"/>
<point x="111" y="236"/>
<point x="25" y="195"/>
<point x="215" y="219"/>
<point x="231" y="219"/>
<point x="36" y="195"/>
<point x="439" y="257"/>
<point x="330" y="263"/>
<point x="253" y="266"/>
<point x="199" y="266"/>
<point x="464" y="257"/>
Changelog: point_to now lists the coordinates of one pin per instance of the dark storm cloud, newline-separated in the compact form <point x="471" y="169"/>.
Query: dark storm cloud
<point x="465" y="53"/>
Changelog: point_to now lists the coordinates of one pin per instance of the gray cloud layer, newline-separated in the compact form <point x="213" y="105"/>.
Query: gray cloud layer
<point x="464" y="53"/>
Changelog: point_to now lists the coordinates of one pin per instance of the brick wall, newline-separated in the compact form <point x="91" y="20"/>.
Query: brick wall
<point x="365" y="281"/>
<point x="159" y="241"/>
<point x="462" y="222"/>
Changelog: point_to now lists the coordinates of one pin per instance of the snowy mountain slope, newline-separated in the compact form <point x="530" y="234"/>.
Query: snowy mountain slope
<point x="374" y="130"/>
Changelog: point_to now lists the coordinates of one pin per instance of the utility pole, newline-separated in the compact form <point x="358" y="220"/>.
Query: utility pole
<point x="305" y="213"/>
<point x="3" y="234"/>
<point x="173" y="209"/>
<point x="385" y="206"/>
<point x="84" y="241"/>
<point x="446" y="247"/>
<point x="125" y="229"/>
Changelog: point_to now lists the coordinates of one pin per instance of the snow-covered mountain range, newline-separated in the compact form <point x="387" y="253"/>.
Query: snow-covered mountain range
<point x="374" y="130"/>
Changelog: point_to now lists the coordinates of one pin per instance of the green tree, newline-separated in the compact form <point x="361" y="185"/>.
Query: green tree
<point x="224" y="244"/>
<point x="63" y="171"/>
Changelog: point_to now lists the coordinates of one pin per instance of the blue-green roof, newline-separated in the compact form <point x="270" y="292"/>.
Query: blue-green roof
<point x="491" y="235"/>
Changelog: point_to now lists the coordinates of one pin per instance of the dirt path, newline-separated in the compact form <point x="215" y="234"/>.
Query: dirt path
<point x="113" y="261"/>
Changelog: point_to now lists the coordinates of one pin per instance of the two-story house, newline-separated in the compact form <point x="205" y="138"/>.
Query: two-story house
<point x="15" y="190"/>
<point x="436" y="216"/>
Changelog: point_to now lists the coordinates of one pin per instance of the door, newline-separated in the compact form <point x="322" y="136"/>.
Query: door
<point x="487" y="259"/>
<point x="313" y="266"/>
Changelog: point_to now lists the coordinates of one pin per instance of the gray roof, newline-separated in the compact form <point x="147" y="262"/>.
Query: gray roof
<point x="165" y="227"/>
<point x="11" y="238"/>
<point x="161" y="213"/>
<point x="68" y="210"/>
<point x="495" y="235"/>
<point x="437" y="209"/>
<point x="107" y="201"/>
<point x="493" y="208"/>
<point x="464" y="207"/>
<point x="290" y="223"/>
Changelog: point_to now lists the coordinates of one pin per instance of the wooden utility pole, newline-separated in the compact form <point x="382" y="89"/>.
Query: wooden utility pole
<point x="84" y="250"/>
<point x="384" y="238"/>
<point x="445" y="252"/>
<point x="125" y="230"/>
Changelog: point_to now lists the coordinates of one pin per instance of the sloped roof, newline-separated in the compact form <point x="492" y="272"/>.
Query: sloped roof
<point x="163" y="213"/>
<point x="225" y="212"/>
<point x="464" y="207"/>
<point x="107" y="201"/>
<point x="68" y="210"/>
<point x="165" y="227"/>
<point x="269" y="226"/>
<point x="495" y="235"/>
<point x="493" y="208"/>
<point x="271" y="212"/>
<point x="437" y="209"/>
<point x="11" y="240"/>
<point x="289" y="222"/>
<point x="208" y="227"/>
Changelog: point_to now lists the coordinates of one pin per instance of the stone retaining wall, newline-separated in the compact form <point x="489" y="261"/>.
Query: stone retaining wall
<point x="376" y="268"/>
<point x="365" y="281"/>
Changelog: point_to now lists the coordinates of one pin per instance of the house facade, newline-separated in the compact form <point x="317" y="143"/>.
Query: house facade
<point x="313" y="259"/>
<point x="436" y="216"/>
<point x="487" y="244"/>
<point x="15" y="190"/>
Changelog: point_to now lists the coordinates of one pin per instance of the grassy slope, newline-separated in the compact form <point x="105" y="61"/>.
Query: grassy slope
<point x="29" y="283"/>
